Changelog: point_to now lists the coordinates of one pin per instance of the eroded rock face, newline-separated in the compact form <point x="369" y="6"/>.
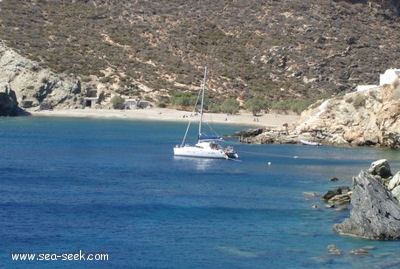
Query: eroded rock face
<point x="368" y="118"/>
<point x="394" y="182"/>
<point x="35" y="87"/>
<point x="375" y="212"/>
<point x="337" y="197"/>
<point x="380" y="169"/>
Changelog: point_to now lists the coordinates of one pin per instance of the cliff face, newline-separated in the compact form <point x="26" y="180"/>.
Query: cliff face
<point x="361" y="118"/>
<point x="8" y="101"/>
<point x="32" y="87"/>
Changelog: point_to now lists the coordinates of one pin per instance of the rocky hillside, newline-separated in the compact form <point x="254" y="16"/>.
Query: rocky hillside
<point x="361" y="118"/>
<point x="364" y="118"/>
<point x="284" y="51"/>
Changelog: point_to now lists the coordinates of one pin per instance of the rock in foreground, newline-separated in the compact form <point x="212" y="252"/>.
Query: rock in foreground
<point x="375" y="212"/>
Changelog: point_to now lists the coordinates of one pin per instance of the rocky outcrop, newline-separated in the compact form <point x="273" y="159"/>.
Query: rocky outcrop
<point x="366" y="118"/>
<point x="337" y="197"/>
<point x="248" y="133"/>
<point x="33" y="87"/>
<point x="8" y="101"/>
<point x="375" y="212"/>
<point x="265" y="136"/>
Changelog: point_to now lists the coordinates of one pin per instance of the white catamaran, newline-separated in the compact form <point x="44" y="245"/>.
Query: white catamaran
<point x="206" y="146"/>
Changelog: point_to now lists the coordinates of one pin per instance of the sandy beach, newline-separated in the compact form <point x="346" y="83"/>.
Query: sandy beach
<point x="164" y="114"/>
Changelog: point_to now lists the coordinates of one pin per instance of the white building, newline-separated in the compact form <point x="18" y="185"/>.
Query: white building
<point x="131" y="104"/>
<point x="91" y="101"/>
<point x="388" y="77"/>
<point x="361" y="88"/>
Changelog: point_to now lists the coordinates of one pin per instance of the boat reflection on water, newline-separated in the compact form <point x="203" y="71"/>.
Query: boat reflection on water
<point x="200" y="164"/>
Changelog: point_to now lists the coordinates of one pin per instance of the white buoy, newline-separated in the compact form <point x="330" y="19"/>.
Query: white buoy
<point x="269" y="163"/>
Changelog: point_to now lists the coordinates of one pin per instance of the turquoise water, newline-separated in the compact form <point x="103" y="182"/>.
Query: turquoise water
<point x="96" y="186"/>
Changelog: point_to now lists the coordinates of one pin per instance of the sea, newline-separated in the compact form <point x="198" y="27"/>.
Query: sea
<point x="108" y="193"/>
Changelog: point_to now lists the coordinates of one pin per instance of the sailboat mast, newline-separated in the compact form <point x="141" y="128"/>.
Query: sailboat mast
<point x="202" y="98"/>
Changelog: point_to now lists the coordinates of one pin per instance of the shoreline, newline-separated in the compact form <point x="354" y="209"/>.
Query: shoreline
<point x="271" y="120"/>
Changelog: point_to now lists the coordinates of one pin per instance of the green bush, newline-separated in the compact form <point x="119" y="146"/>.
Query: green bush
<point x="161" y="105"/>
<point x="106" y="80"/>
<point x="214" y="108"/>
<point x="359" y="101"/>
<point x="118" y="102"/>
<point x="295" y="105"/>
<point x="183" y="99"/>
<point x="230" y="106"/>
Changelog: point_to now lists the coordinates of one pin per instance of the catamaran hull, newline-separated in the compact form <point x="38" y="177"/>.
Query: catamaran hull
<point x="189" y="151"/>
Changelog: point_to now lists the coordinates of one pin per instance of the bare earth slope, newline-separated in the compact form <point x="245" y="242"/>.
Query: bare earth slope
<point x="281" y="50"/>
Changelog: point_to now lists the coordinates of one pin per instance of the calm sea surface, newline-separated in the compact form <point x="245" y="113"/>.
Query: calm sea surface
<point x="98" y="186"/>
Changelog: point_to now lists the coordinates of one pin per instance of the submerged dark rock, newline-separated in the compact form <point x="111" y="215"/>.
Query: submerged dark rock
<point x="248" y="133"/>
<point x="331" y="193"/>
<point x="375" y="212"/>
<point x="267" y="136"/>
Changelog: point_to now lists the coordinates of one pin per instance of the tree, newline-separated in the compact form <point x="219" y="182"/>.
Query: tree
<point x="183" y="99"/>
<point x="230" y="106"/>
<point x="255" y="105"/>
<point x="118" y="102"/>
